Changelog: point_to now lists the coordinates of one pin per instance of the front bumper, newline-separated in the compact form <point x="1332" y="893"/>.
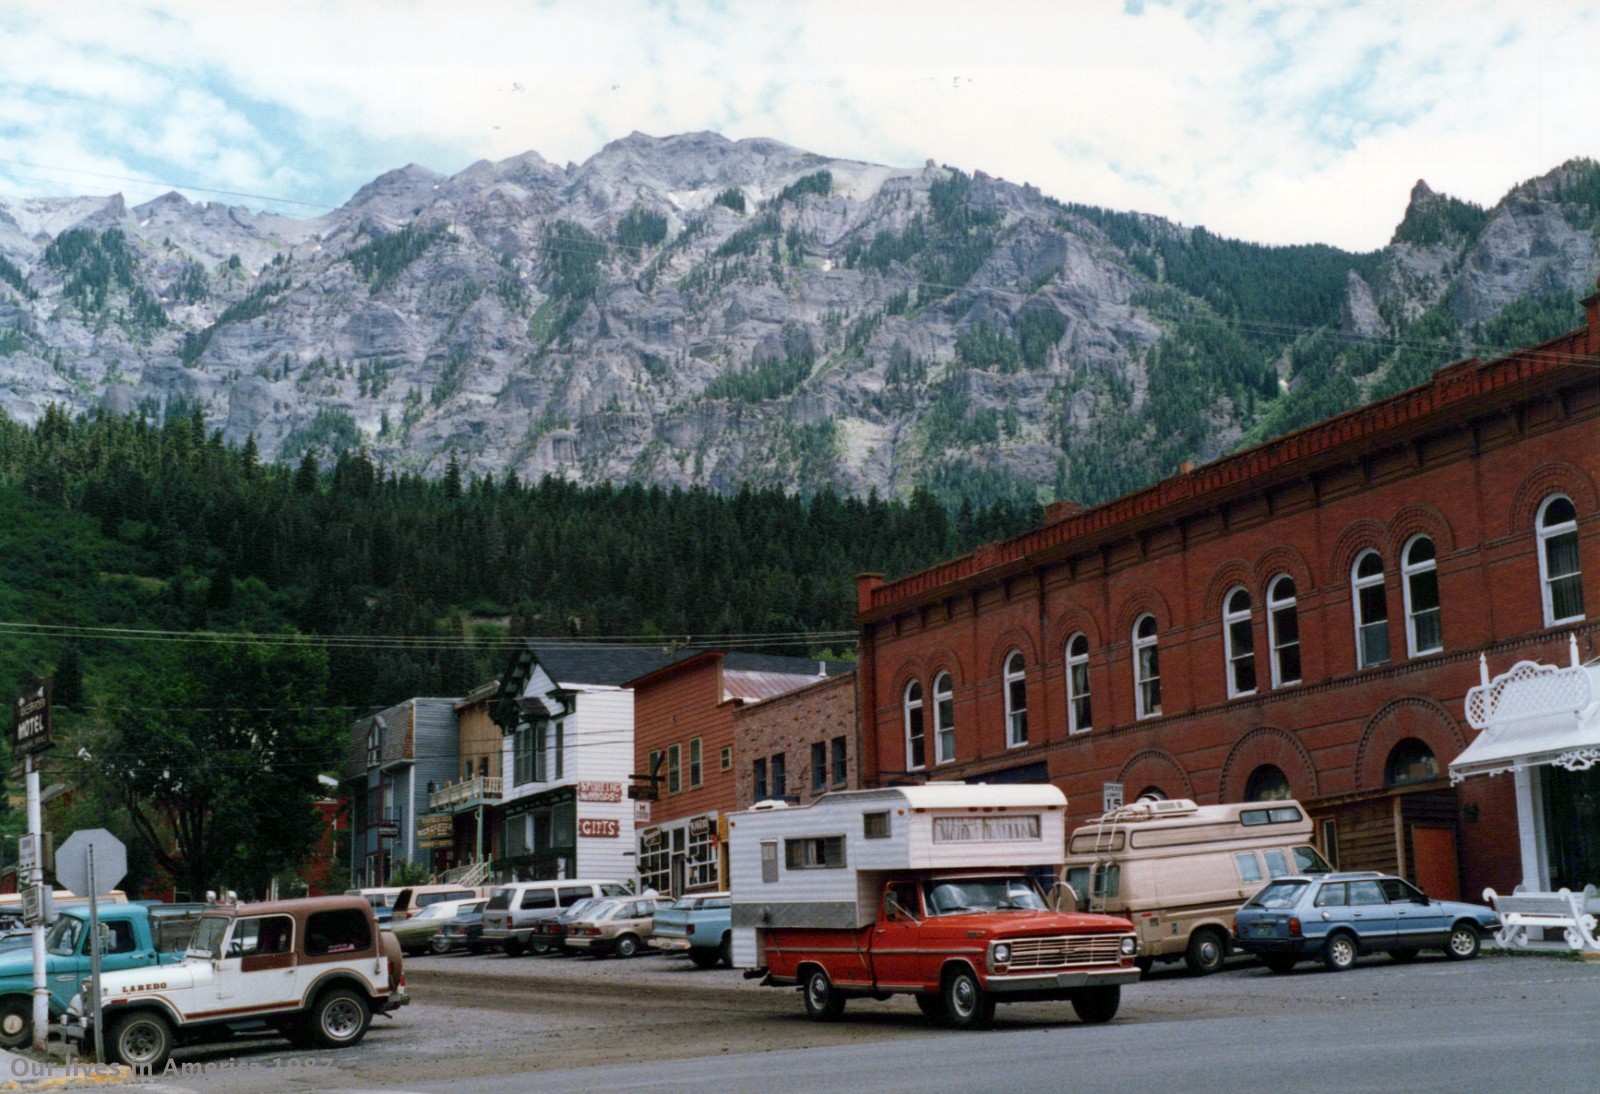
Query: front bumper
<point x="1026" y="983"/>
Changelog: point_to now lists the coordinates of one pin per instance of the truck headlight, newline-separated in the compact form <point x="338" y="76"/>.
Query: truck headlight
<point x="1002" y="953"/>
<point x="1128" y="946"/>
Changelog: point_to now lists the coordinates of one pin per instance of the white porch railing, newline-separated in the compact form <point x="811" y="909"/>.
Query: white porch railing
<point x="465" y="791"/>
<point x="474" y="873"/>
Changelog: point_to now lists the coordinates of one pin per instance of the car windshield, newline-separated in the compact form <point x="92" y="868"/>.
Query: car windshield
<point x="435" y="911"/>
<point x="1279" y="894"/>
<point x="207" y="939"/>
<point x="500" y="899"/>
<point x="983" y="894"/>
<point x="63" y="937"/>
<point x="581" y="908"/>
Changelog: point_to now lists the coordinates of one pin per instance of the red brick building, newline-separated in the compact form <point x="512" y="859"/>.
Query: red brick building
<point x="812" y="728"/>
<point x="1299" y="619"/>
<point x="683" y="739"/>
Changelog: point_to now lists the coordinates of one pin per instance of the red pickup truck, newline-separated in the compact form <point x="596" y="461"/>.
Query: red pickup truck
<point x="868" y="894"/>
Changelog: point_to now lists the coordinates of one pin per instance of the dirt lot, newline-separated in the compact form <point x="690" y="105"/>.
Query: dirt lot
<point x="476" y="1017"/>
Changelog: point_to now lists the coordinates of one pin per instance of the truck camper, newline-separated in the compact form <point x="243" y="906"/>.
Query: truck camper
<point x="1180" y="870"/>
<point x="923" y="890"/>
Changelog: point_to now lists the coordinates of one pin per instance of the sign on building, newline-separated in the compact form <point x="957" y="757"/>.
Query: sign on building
<point x="599" y="792"/>
<point x="436" y="830"/>
<point x="599" y="827"/>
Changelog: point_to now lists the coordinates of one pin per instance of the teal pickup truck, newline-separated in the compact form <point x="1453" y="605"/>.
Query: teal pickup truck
<point x="133" y="935"/>
<point x="698" y="924"/>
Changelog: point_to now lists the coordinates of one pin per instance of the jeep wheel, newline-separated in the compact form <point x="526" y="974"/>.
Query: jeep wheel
<point x="141" y="1040"/>
<point x="339" y="1018"/>
<point x="16" y="1023"/>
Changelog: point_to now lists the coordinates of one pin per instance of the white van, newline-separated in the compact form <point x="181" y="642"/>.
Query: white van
<point x="514" y="909"/>
<point x="1180" y="870"/>
<point x="413" y="898"/>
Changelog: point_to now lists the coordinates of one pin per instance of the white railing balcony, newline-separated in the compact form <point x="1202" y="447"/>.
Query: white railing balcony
<point x="465" y="793"/>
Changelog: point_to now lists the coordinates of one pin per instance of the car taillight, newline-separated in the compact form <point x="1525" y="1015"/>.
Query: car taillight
<point x="1294" y="927"/>
<point x="691" y="930"/>
<point x="1236" y="926"/>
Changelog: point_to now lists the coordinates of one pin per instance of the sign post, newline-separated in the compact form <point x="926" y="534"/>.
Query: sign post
<point x="87" y="860"/>
<point x="30" y="734"/>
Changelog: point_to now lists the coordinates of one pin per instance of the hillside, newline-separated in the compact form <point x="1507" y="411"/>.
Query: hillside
<point x="694" y="311"/>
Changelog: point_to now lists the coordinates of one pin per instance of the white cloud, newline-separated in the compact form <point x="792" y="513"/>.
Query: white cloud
<point x="1292" y="122"/>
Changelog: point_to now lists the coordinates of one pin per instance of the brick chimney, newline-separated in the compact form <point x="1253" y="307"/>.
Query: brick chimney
<point x="865" y="584"/>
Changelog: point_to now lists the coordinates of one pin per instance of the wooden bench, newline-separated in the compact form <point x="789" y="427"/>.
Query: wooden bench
<point x="1565" y="911"/>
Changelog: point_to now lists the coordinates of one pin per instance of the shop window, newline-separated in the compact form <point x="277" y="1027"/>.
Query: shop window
<point x="1016" y="685"/>
<point x="702" y="857"/>
<point x="1419" y="570"/>
<point x="1561" y="580"/>
<point x="1080" y="716"/>
<point x="916" y="747"/>
<point x="1371" y="611"/>
<point x="1146" y="668"/>
<point x="1267" y="783"/>
<point x="944" y="719"/>
<point x="1238" y="633"/>
<point x="1283" y="632"/>
<point x="1410" y="761"/>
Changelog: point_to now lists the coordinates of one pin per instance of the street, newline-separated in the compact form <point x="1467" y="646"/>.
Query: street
<point x="658" y="1024"/>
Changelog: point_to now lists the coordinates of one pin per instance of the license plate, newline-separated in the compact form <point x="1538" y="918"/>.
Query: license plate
<point x="1261" y="930"/>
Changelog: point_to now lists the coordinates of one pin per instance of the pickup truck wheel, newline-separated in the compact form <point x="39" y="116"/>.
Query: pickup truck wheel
<point x="823" y="1002"/>
<point x="966" y="1004"/>
<point x="142" y="1040"/>
<point x="626" y="946"/>
<point x="704" y="959"/>
<point x="339" y="1018"/>
<point x="1207" y="949"/>
<point x="513" y="948"/>
<point x="1097" y="1004"/>
<point x="932" y="1004"/>
<point x="16" y="1023"/>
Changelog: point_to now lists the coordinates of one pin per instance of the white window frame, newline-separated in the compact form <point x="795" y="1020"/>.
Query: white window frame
<point x="944" y="718"/>
<point x="1546" y="580"/>
<point x="915" y="725"/>
<point x="1357" y="584"/>
<point x="1078" y="662"/>
<point x="1016" y="673"/>
<point x="1411" y="572"/>
<point x="1276" y="603"/>
<point x="1146" y="686"/>
<point x="1235" y="657"/>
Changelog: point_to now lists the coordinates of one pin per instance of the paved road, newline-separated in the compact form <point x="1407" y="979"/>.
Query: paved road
<point x="657" y="1024"/>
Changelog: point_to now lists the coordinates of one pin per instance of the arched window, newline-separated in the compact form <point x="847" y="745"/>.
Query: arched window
<point x="916" y="752"/>
<point x="1267" y="783"/>
<point x="1080" y="718"/>
<point x="1151" y="793"/>
<point x="1561" y="580"/>
<point x="1410" y="761"/>
<point x="1372" y="611"/>
<point x="944" y="719"/>
<point x="1016" y="701"/>
<point x="1241" y="643"/>
<point x="1420" y="570"/>
<point x="1146" y="668"/>
<point x="1283" y="632"/>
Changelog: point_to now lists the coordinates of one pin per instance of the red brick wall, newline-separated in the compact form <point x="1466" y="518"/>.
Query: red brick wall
<point x="790" y="725"/>
<point x="673" y="706"/>
<point x="1467" y="472"/>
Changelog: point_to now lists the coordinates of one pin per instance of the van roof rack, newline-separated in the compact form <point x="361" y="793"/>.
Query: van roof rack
<point x="1152" y="808"/>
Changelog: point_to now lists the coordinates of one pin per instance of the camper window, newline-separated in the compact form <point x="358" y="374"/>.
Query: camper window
<point x="1283" y="814"/>
<point x="983" y="829"/>
<point x="875" y="825"/>
<point x="1078" y="879"/>
<point x="1307" y="861"/>
<point x="1249" y="868"/>
<point x="1277" y="863"/>
<point x="814" y="853"/>
<point x="1107" y="882"/>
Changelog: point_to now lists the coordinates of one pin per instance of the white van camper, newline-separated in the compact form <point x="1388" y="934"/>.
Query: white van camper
<point x="1180" y="870"/>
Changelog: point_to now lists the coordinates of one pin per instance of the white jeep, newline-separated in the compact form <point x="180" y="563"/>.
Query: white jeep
<point x="315" y="970"/>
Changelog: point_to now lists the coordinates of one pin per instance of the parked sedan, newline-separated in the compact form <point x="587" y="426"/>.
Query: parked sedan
<point x="550" y="935"/>
<point x="1337" y="917"/>
<point x="464" y="932"/>
<point x="616" y="926"/>
<point x="416" y="934"/>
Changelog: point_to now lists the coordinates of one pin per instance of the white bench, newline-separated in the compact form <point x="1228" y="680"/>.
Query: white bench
<point x="1564" y="911"/>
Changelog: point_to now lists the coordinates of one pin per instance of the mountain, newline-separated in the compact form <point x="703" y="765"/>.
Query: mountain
<point x="692" y="310"/>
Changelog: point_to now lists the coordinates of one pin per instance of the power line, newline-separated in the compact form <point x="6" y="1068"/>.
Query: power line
<point x="157" y="182"/>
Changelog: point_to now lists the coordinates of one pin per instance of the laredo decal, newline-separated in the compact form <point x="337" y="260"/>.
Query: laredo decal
<point x="147" y="987"/>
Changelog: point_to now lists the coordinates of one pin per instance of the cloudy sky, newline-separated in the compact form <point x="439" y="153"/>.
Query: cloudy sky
<point x="1277" y="122"/>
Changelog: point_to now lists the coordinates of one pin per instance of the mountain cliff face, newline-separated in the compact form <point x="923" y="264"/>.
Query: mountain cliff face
<point x="694" y="310"/>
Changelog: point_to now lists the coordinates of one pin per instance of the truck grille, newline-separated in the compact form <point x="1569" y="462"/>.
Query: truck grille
<point x="1066" y="952"/>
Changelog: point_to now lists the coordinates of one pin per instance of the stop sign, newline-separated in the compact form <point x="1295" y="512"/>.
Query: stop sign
<point x="110" y="861"/>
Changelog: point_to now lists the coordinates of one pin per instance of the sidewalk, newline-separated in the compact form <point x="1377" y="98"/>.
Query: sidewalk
<point x="27" y="1073"/>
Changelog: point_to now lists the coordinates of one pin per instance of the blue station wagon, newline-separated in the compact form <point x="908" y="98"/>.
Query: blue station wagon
<point x="1337" y="917"/>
